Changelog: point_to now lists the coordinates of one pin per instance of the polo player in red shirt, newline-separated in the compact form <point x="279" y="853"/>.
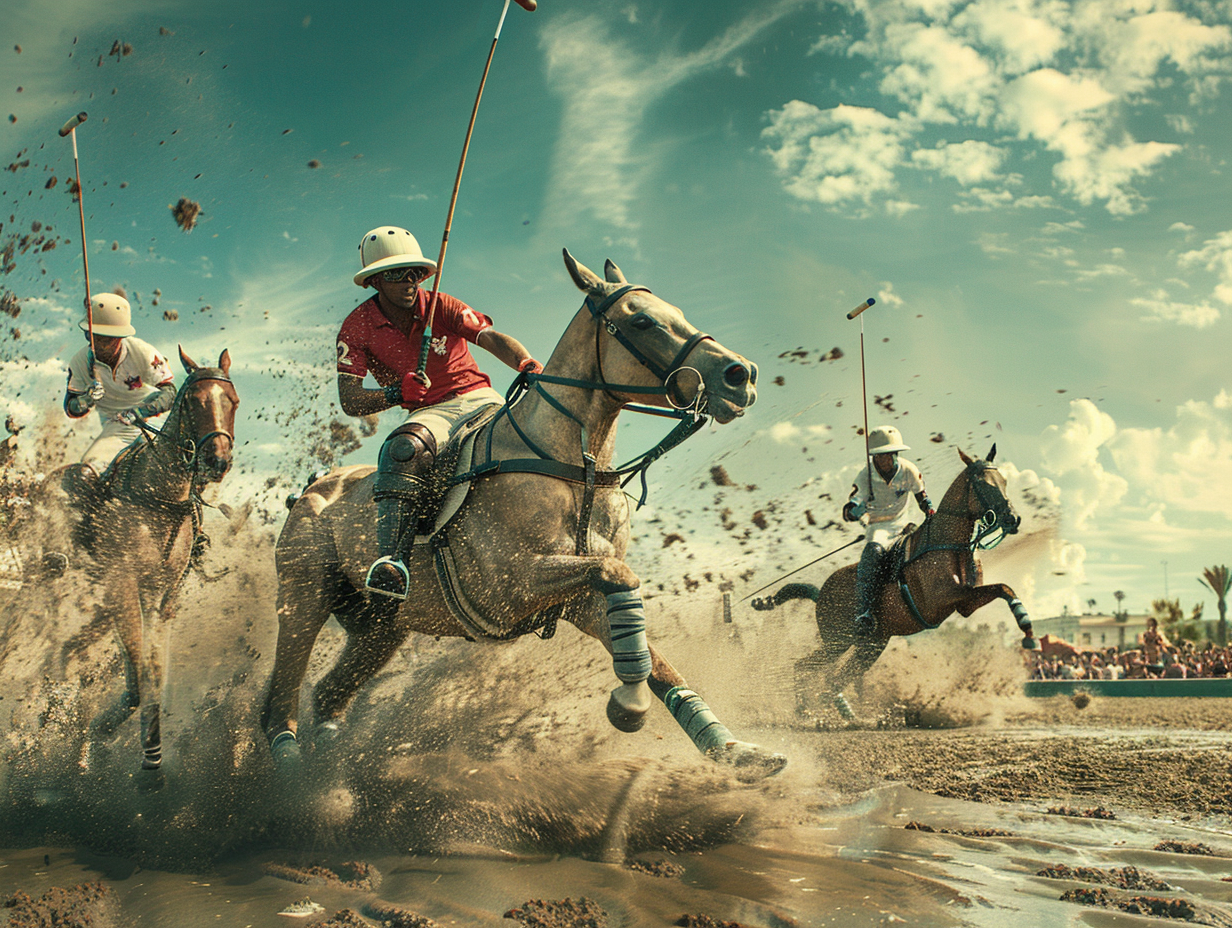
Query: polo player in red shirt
<point x="382" y="337"/>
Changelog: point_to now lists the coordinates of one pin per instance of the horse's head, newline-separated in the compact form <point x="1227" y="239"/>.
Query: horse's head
<point x="643" y="343"/>
<point x="205" y="430"/>
<point x="987" y="502"/>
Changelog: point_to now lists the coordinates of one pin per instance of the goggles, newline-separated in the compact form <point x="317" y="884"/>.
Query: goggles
<point x="399" y="274"/>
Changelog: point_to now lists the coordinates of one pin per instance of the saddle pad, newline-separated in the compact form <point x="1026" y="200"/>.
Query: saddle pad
<point x="452" y="501"/>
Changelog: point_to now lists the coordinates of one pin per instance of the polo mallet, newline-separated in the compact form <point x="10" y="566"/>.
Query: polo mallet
<point x="529" y="6"/>
<point x="868" y="456"/>
<point x="70" y="129"/>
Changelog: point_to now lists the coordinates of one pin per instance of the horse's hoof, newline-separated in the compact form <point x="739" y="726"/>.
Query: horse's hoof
<point x="325" y="735"/>
<point x="627" y="707"/>
<point x="1029" y="643"/>
<point x="54" y="564"/>
<point x="286" y="753"/>
<point x="751" y="762"/>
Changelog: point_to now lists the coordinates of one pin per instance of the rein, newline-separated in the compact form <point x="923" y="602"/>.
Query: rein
<point x="188" y="459"/>
<point x="690" y="416"/>
<point x="987" y="524"/>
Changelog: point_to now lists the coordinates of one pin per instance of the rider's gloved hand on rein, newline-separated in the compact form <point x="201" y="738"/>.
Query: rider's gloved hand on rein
<point x="853" y="511"/>
<point x="529" y="365"/>
<point x="127" y="416"/>
<point x="415" y="387"/>
<point x="94" y="394"/>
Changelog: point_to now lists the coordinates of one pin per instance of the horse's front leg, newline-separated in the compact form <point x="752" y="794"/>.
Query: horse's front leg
<point x="643" y="671"/>
<point x="158" y="616"/>
<point x="121" y="608"/>
<point x="982" y="595"/>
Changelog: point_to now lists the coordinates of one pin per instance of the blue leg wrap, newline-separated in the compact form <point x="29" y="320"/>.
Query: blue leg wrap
<point x="627" y="623"/>
<point x="1019" y="611"/>
<point x="697" y="719"/>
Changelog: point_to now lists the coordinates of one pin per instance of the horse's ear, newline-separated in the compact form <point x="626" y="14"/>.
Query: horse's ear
<point x="992" y="454"/>
<point x="224" y="361"/>
<point x="584" y="277"/>
<point x="965" y="459"/>
<point x="613" y="274"/>
<point x="189" y="364"/>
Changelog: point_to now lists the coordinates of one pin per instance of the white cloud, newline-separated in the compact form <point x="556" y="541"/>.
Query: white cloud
<point x="1024" y="35"/>
<point x="607" y="85"/>
<point x="1072" y="452"/>
<point x="1216" y="256"/>
<point x="835" y="156"/>
<point x="1177" y="467"/>
<point x="887" y="295"/>
<point x="1197" y="315"/>
<point x="1064" y="77"/>
<point x="944" y="79"/>
<point x="968" y="162"/>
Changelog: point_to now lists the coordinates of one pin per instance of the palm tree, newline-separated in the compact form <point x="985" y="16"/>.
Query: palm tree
<point x="1119" y="596"/>
<point x="1219" y="581"/>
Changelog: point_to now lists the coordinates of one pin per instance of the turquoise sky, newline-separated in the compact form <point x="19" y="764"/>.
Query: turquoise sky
<point x="1035" y="192"/>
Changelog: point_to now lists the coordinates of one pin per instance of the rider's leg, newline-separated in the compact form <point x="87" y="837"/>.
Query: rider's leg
<point x="402" y="467"/>
<point x="866" y="588"/>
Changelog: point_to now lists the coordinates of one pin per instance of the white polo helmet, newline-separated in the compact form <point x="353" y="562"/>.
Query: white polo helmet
<point x="112" y="316"/>
<point x="386" y="248"/>
<point x="885" y="439"/>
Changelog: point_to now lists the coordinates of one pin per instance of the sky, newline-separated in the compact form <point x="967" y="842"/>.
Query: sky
<point x="1035" y="193"/>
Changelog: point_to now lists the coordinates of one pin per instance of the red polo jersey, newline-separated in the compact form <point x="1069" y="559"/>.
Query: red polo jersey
<point x="370" y="343"/>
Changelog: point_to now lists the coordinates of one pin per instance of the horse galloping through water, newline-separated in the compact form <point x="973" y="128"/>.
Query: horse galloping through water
<point x="541" y="535"/>
<point x="933" y="573"/>
<point x="142" y="531"/>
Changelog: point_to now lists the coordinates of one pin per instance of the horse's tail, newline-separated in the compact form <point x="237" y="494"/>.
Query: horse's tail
<point x="790" y="591"/>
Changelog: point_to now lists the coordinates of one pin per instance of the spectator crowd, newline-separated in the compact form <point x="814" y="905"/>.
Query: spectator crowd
<point x="1155" y="657"/>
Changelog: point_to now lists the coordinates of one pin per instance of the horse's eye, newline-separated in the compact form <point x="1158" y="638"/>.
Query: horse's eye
<point x="642" y="321"/>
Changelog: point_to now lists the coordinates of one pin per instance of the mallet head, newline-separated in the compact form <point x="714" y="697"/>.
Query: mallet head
<point x="859" y="309"/>
<point x="527" y="5"/>
<point x="72" y="124"/>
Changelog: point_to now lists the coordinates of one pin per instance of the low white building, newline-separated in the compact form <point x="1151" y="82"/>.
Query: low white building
<point x="1094" y="630"/>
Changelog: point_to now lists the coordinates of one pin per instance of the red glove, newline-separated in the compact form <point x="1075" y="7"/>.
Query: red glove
<point x="414" y="387"/>
<point x="530" y="366"/>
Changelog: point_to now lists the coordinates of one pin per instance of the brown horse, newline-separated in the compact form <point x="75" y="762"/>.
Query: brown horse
<point x="142" y="530"/>
<point x="542" y="533"/>
<point x="940" y="574"/>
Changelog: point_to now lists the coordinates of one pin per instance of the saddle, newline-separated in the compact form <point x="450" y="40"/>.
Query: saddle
<point x="443" y="495"/>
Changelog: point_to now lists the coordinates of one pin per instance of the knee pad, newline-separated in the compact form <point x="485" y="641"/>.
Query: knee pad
<point x="406" y="455"/>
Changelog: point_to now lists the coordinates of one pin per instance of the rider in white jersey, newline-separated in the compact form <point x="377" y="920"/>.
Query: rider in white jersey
<point x="123" y="378"/>
<point x="882" y="508"/>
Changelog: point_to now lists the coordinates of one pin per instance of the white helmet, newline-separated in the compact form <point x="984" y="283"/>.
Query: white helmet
<point x="112" y="316"/>
<point x="386" y="248"/>
<point x="885" y="439"/>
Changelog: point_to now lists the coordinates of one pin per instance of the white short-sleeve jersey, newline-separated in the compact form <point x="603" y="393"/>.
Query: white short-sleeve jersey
<point x="888" y="502"/>
<point x="139" y="373"/>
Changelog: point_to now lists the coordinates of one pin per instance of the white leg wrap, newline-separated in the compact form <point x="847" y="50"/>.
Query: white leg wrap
<point x="697" y="719"/>
<point x="627" y="623"/>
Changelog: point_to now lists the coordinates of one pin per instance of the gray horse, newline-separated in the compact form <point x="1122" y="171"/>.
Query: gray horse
<point x="543" y="531"/>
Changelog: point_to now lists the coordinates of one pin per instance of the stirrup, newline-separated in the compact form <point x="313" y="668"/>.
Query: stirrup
<point x="388" y="577"/>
